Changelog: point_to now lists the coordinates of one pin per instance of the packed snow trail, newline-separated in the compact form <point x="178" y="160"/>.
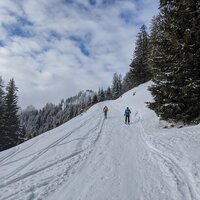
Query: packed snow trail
<point x="124" y="166"/>
<point x="92" y="158"/>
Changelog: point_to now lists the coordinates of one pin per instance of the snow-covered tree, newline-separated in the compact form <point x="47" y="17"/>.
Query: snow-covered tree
<point x="127" y="82"/>
<point x="101" y="95"/>
<point x="36" y="122"/>
<point x="175" y="58"/>
<point x="2" y="114"/>
<point x="108" y="94"/>
<point x="117" y="86"/>
<point x="95" y="99"/>
<point x="139" y="67"/>
<point x="12" y="123"/>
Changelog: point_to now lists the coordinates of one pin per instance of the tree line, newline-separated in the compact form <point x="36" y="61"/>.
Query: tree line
<point x="36" y="121"/>
<point x="17" y="126"/>
<point x="170" y="56"/>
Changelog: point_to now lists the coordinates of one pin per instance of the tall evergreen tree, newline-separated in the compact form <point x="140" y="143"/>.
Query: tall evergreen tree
<point x="108" y="95"/>
<point x="89" y="102"/>
<point x="175" y="58"/>
<point x="117" y="86"/>
<point x="127" y="82"/>
<point x="2" y="115"/>
<point x="95" y="99"/>
<point x="12" y="124"/>
<point x="139" y="67"/>
<point x="101" y="95"/>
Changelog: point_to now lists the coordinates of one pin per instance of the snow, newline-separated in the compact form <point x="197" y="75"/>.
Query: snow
<point x="92" y="158"/>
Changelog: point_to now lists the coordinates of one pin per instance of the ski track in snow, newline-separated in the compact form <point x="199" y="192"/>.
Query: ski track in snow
<point x="92" y="158"/>
<point x="182" y="180"/>
<point x="15" y="152"/>
<point x="44" y="150"/>
<point x="40" y="153"/>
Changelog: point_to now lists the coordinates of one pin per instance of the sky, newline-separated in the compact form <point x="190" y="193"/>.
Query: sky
<point x="55" y="48"/>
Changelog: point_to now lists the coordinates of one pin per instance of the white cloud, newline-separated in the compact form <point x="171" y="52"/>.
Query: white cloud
<point x="53" y="49"/>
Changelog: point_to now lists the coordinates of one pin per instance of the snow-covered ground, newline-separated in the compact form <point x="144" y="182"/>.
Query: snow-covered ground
<point x="92" y="158"/>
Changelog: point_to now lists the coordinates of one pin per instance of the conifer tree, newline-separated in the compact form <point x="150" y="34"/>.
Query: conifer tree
<point x="127" y="82"/>
<point x="95" y="99"/>
<point x="108" y="95"/>
<point x="139" y="67"/>
<point x="12" y="123"/>
<point x="89" y="102"/>
<point x="117" y="86"/>
<point x="175" y="58"/>
<point x="101" y="95"/>
<point x="2" y="115"/>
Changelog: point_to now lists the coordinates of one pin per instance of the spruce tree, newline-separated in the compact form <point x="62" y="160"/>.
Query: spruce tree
<point x="117" y="86"/>
<point x="175" y="58"/>
<point x="101" y="95"/>
<point x="89" y="102"/>
<point x="127" y="82"/>
<point x="139" y="67"/>
<point x="95" y="99"/>
<point x="2" y="115"/>
<point x="12" y="123"/>
<point x="108" y="95"/>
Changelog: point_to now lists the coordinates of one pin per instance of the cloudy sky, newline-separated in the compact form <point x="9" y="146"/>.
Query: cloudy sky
<point x="55" y="48"/>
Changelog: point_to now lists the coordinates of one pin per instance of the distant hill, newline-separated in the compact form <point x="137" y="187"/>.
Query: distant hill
<point x="35" y="122"/>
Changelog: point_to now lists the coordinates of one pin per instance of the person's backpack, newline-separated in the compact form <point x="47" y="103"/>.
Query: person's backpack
<point x="105" y="109"/>
<point x="127" y="112"/>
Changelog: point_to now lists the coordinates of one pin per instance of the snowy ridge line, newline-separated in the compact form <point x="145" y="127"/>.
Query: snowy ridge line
<point x="41" y="152"/>
<point x="15" y="153"/>
<point x="60" y="160"/>
<point x="176" y="170"/>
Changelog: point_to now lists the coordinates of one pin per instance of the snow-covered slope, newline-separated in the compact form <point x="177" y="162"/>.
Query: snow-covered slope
<point x="90" y="158"/>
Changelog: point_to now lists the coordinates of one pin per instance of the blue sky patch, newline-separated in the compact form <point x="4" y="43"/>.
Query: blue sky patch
<point x="69" y="1"/>
<point x="92" y="2"/>
<point x="16" y="30"/>
<point x="75" y="38"/>
<point x="2" y="43"/>
<point x="54" y="36"/>
<point x="19" y="28"/>
<point x="24" y="22"/>
<point x="108" y="2"/>
<point x="127" y="16"/>
<point x="84" y="49"/>
<point x="81" y="43"/>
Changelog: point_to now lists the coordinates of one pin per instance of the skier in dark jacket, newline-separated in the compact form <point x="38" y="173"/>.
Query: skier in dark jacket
<point x="127" y="115"/>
